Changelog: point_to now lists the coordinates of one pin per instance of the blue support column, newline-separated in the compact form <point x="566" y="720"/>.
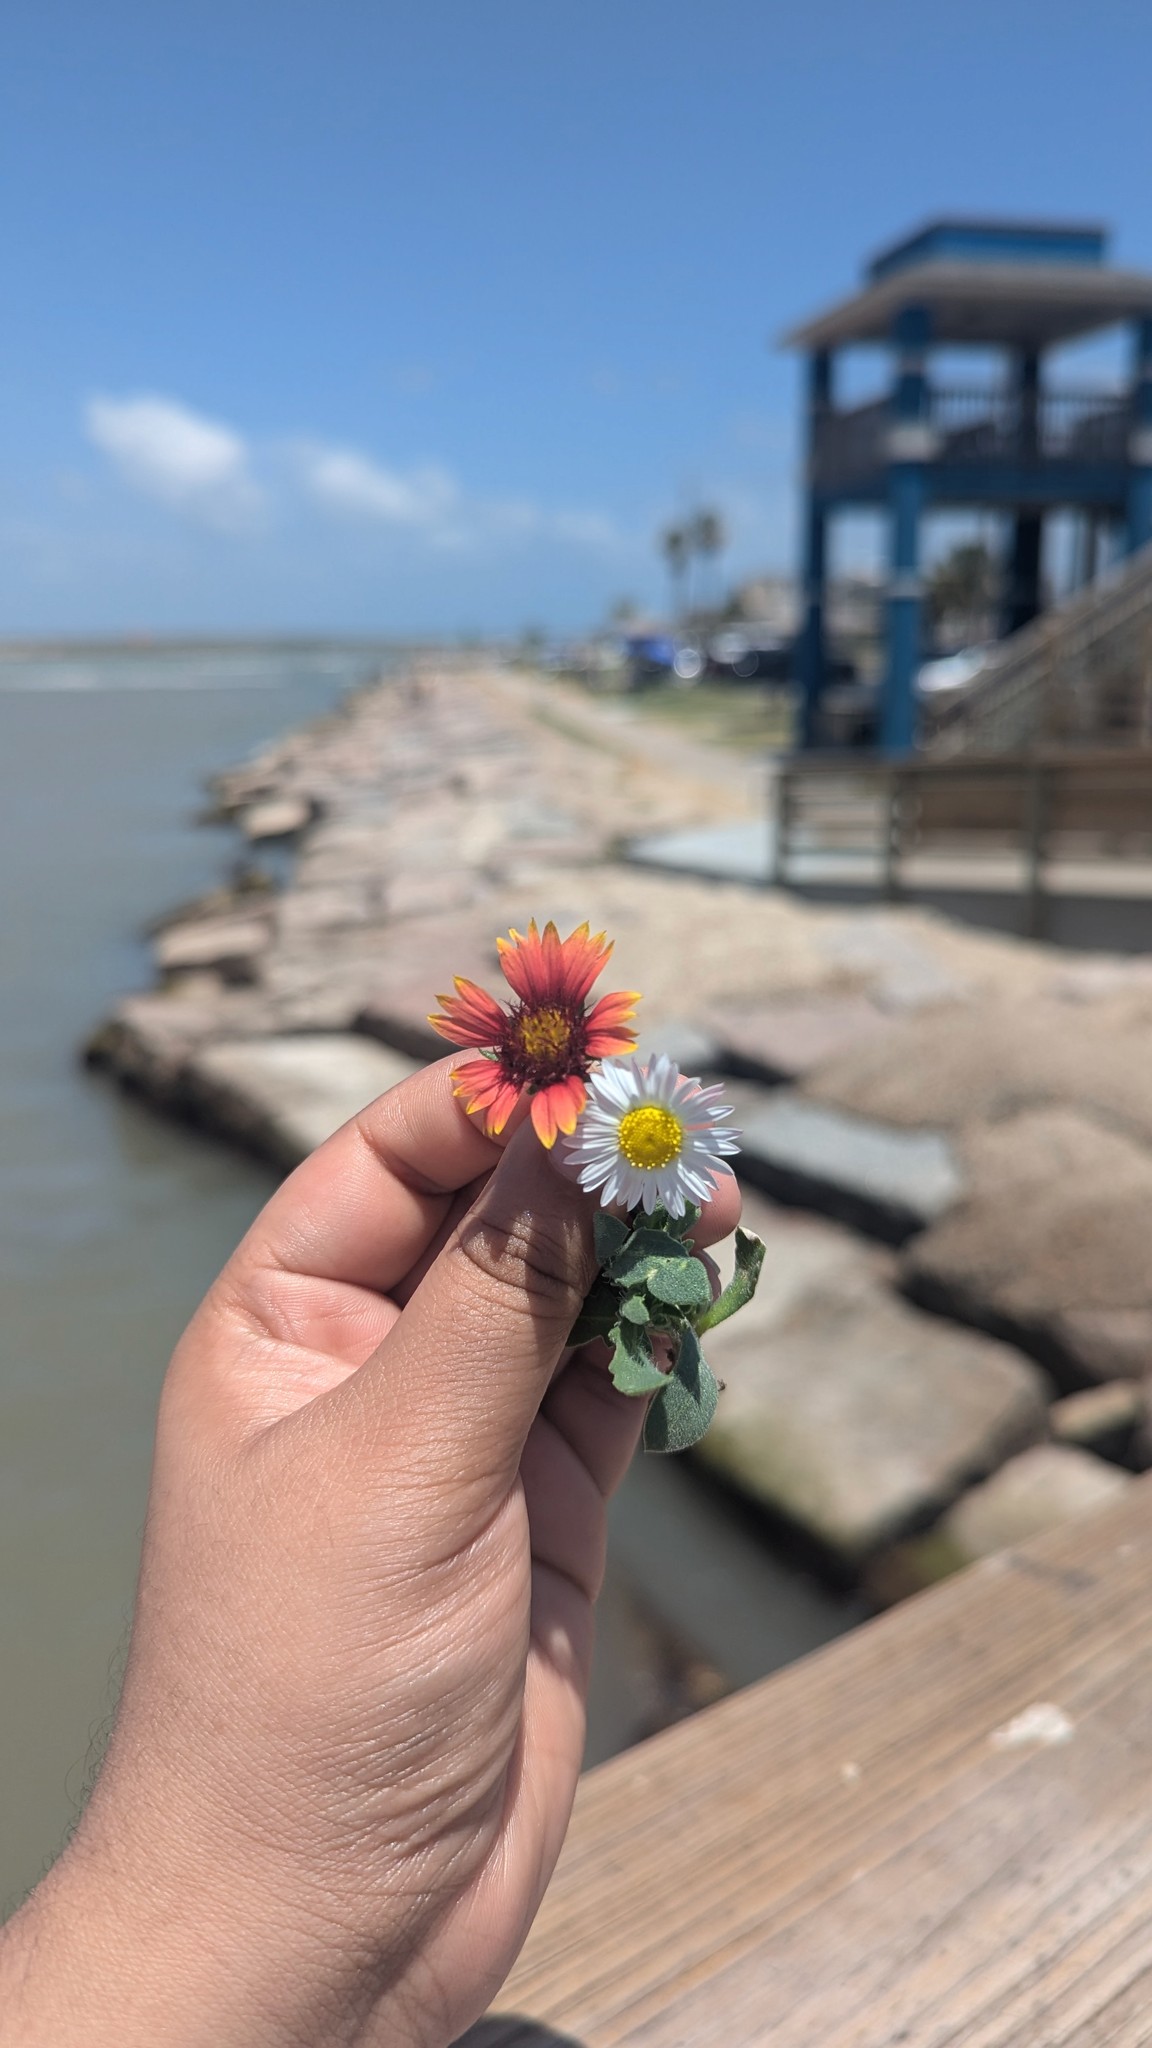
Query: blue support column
<point x="812" y="654"/>
<point x="910" y="444"/>
<point x="1140" y="441"/>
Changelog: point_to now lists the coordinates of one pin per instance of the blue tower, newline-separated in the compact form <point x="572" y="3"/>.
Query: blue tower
<point x="1023" y="449"/>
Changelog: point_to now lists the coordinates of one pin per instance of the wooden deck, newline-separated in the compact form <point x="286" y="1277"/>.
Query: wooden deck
<point x="854" y="1854"/>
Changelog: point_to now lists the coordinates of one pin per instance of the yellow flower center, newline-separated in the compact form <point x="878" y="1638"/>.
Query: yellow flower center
<point x="544" y="1033"/>
<point x="650" y="1136"/>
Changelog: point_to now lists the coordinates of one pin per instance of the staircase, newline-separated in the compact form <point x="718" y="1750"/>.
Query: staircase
<point x="1080" y="676"/>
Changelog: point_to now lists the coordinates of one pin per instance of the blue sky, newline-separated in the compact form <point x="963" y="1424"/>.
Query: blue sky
<point x="376" y="316"/>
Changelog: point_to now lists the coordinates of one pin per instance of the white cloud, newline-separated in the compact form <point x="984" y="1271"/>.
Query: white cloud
<point x="353" y="482"/>
<point x="170" y="453"/>
<point x="429" y="500"/>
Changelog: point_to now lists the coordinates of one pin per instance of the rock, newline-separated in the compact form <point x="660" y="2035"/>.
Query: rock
<point x="693" y="1048"/>
<point x="1046" y="1485"/>
<point x="1050" y="1245"/>
<point x="276" y="817"/>
<point x="976" y="1062"/>
<point x="1043" y="1486"/>
<point x="418" y="960"/>
<point x="785" y="1039"/>
<point x="1103" y="1419"/>
<point x="848" y="1414"/>
<point x="148" y="1040"/>
<point x="282" y="1096"/>
<point x="231" y="944"/>
<point x="887" y="1182"/>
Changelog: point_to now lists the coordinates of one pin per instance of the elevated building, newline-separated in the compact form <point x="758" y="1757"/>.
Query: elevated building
<point x="1023" y="448"/>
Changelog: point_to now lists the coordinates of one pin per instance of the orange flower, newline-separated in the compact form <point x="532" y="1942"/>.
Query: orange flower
<point x="547" y="1043"/>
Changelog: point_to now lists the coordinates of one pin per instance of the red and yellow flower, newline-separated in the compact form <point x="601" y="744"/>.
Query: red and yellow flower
<point x="547" y="1043"/>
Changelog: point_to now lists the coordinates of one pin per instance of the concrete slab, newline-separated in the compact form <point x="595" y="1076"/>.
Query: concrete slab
<point x="282" y="1096"/>
<point x="882" y="1180"/>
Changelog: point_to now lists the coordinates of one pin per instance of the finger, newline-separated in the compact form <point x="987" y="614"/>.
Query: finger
<point x="363" y="1206"/>
<point x="451" y="1394"/>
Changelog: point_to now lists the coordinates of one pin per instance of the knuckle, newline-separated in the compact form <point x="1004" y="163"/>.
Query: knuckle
<point x="533" y="1264"/>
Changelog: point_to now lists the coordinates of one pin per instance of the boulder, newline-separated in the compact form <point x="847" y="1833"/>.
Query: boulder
<point x="230" y="944"/>
<point x="276" y="817"/>
<point x="1049" y="1246"/>
<point x="974" y="1062"/>
<point x="1105" y="1419"/>
<point x="282" y="1096"/>
<point x="887" y="1182"/>
<point x="1046" y="1485"/>
<point x="847" y="1414"/>
<point x="782" y="1040"/>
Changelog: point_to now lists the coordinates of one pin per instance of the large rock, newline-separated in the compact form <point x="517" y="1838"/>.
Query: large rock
<point x="1050" y="1245"/>
<point x="783" y="1039"/>
<point x="1046" y="1485"/>
<point x="232" y="945"/>
<point x="882" y="1180"/>
<point x="845" y="1412"/>
<point x="281" y="1097"/>
<point x="971" y="1062"/>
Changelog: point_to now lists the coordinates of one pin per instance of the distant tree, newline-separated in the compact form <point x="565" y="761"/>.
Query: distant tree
<point x="676" y="547"/>
<point x="963" y="590"/>
<point x="709" y="538"/>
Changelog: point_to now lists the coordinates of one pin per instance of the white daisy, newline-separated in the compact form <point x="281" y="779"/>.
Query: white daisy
<point x="648" y="1135"/>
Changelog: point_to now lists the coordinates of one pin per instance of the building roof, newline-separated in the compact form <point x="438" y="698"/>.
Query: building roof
<point x="1023" y="283"/>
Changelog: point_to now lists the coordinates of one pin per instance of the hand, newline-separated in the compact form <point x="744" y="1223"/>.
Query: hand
<point x="353" y="1714"/>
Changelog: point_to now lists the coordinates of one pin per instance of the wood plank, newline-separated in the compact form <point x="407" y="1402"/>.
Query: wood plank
<point x="844" y="1857"/>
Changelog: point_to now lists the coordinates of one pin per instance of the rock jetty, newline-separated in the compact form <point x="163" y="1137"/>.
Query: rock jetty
<point x="948" y="1134"/>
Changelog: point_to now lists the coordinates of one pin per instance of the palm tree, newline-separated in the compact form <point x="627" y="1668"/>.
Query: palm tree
<point x="708" y="535"/>
<point x="676" y="546"/>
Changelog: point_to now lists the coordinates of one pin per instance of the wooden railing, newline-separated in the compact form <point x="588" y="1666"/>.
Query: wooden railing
<point x="1079" y="675"/>
<point x="1038" y="807"/>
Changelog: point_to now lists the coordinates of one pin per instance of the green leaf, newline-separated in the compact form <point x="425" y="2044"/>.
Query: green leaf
<point x="601" y="1309"/>
<point x="683" y="1282"/>
<point x="608" y="1233"/>
<point x="634" y="1370"/>
<point x="635" y="1308"/>
<point x="633" y="1262"/>
<point x="742" y="1285"/>
<point x="675" y="1226"/>
<point x="684" y="1407"/>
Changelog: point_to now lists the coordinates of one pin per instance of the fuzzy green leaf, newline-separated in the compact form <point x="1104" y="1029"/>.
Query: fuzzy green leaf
<point x="632" y="1263"/>
<point x="742" y="1285"/>
<point x="683" y="1282"/>
<point x="600" y="1310"/>
<point x="636" y="1310"/>
<point x="608" y="1234"/>
<point x="634" y="1370"/>
<point x="684" y="1407"/>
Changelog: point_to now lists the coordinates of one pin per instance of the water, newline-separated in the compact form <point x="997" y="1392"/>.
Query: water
<point x="113" y="1221"/>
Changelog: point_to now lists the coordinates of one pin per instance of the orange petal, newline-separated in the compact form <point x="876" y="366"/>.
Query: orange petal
<point x="583" y="958"/>
<point x="479" y="1082"/>
<point x="522" y="961"/>
<point x="557" y="1109"/>
<point x="471" y="1016"/>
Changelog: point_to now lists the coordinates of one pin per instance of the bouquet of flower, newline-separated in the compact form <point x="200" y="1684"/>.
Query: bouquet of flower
<point x="652" y="1142"/>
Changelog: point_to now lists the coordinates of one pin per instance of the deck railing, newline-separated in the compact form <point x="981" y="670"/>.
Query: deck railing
<point x="975" y="424"/>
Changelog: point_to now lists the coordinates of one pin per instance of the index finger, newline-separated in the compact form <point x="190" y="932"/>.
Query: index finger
<point x="363" y="1206"/>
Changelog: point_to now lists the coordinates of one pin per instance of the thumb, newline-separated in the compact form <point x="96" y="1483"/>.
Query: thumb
<point x="449" y="1396"/>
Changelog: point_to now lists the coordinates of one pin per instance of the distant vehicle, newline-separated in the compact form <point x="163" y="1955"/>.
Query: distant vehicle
<point x="954" y="672"/>
<point x="650" y="657"/>
<point x="745" y="655"/>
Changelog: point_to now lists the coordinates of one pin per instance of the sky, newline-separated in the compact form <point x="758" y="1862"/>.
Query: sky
<point x="373" y="316"/>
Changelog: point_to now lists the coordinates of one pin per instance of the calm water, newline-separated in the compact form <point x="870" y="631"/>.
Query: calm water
<point x="113" y="1221"/>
